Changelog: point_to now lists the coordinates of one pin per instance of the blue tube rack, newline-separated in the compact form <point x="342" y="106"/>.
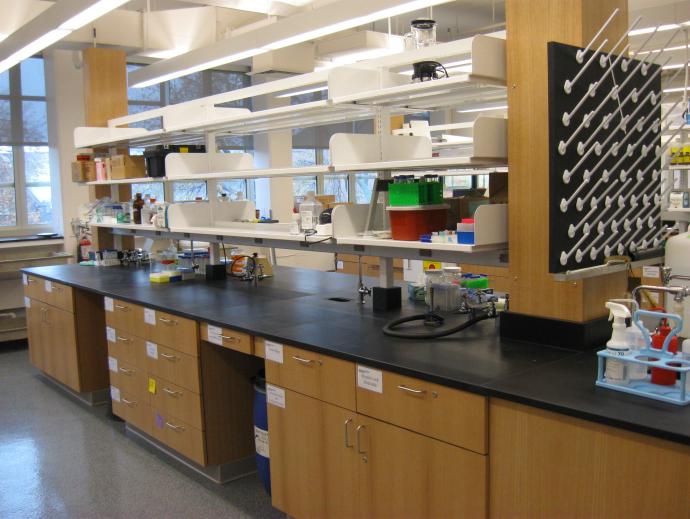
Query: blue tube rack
<point x="678" y="394"/>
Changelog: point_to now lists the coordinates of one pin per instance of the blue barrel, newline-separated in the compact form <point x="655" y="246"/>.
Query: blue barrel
<point x="263" y="463"/>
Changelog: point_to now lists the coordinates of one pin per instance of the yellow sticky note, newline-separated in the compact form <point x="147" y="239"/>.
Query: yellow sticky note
<point x="152" y="386"/>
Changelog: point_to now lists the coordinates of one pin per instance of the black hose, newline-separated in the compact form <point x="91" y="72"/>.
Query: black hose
<point x="388" y="329"/>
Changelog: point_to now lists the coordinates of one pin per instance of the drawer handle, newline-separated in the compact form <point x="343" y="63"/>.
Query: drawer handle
<point x="171" y="358"/>
<point x="347" y="434"/>
<point x="171" y="322"/>
<point x="176" y="428"/>
<point x="122" y="307"/>
<point x="128" y="372"/>
<point x="30" y="280"/>
<point x="306" y="362"/>
<point x="230" y="338"/>
<point x="55" y="287"/>
<point x="123" y="339"/>
<point x="413" y="391"/>
<point x="171" y="392"/>
<point x="129" y="402"/>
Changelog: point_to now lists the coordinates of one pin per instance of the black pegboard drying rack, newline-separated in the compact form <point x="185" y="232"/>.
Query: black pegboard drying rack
<point x="605" y="180"/>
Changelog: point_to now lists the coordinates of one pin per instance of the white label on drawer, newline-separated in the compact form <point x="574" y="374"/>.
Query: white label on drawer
<point x="25" y="279"/>
<point x="152" y="349"/>
<point x="112" y="364"/>
<point x="340" y="265"/>
<point x="48" y="286"/>
<point x="114" y="394"/>
<point x="110" y="334"/>
<point x="214" y="334"/>
<point x="275" y="396"/>
<point x="108" y="304"/>
<point x="274" y="351"/>
<point x="370" y="379"/>
<point x="650" y="272"/>
<point x="27" y="302"/>
<point x="150" y="316"/>
<point x="261" y="442"/>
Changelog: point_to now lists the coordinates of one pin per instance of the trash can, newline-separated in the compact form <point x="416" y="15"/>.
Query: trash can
<point x="263" y="463"/>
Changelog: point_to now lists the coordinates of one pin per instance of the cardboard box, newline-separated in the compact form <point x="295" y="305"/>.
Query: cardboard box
<point x="83" y="171"/>
<point x="352" y="267"/>
<point x="127" y="166"/>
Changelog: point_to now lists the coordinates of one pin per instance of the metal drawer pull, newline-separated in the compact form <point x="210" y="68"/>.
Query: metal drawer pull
<point x="123" y="339"/>
<point x="413" y="391"/>
<point x="30" y="280"/>
<point x="359" y="443"/>
<point x="56" y="287"/>
<point x="347" y="439"/>
<point x="303" y="361"/>
<point x="167" y="321"/>
<point x="171" y="392"/>
<point x="128" y="372"/>
<point x="123" y="308"/>
<point x="169" y="357"/>
<point x="129" y="402"/>
<point x="230" y="338"/>
<point x="174" y="427"/>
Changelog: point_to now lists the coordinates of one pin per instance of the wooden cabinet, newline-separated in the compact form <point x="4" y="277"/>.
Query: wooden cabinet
<point x="405" y="474"/>
<point x="124" y="316"/>
<point x="174" y="365"/>
<point x="179" y="333"/>
<point x="313" y="460"/>
<point x="329" y="462"/>
<point x="66" y="339"/>
<point x="227" y="338"/>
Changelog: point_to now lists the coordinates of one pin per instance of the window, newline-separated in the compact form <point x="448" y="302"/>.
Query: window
<point x="364" y="185"/>
<point x="26" y="197"/>
<point x="235" y="189"/>
<point x="153" y="189"/>
<point x="189" y="191"/>
<point x="337" y="185"/>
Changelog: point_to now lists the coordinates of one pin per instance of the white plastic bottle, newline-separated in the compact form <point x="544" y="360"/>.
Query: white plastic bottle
<point x="636" y="342"/>
<point x="295" y="224"/>
<point x="309" y="211"/>
<point x="616" y="372"/>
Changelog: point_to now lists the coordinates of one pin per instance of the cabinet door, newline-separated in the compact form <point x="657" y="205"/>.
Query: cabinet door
<point x="61" y="346"/>
<point x="313" y="461"/>
<point x="34" y="326"/>
<point x="405" y="474"/>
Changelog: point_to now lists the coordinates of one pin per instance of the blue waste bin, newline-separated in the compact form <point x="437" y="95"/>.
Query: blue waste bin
<point x="263" y="463"/>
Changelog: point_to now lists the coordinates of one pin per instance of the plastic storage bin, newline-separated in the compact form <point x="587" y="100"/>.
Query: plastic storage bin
<point x="411" y="222"/>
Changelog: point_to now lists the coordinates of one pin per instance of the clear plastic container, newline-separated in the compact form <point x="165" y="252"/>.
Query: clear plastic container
<point x="309" y="211"/>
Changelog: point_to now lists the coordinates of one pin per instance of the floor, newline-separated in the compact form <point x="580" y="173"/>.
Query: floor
<point x="60" y="458"/>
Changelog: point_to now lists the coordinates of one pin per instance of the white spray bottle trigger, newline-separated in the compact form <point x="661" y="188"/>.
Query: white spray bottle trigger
<point x="619" y="313"/>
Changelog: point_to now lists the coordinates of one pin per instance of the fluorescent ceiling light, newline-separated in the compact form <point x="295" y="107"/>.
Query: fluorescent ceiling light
<point x="675" y="66"/>
<point x="50" y="26"/>
<point x="482" y="109"/>
<point x="305" y="26"/>
<point x="674" y="90"/>
<point x="300" y="92"/>
<point x="91" y="13"/>
<point x="3" y="36"/>
<point x="665" y="49"/>
<point x="662" y="28"/>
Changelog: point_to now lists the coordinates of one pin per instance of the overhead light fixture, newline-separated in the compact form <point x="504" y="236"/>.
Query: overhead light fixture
<point x="301" y="92"/>
<point x="482" y="109"/>
<point x="675" y="66"/>
<point x="305" y="26"/>
<point x="50" y="26"/>
<point x="674" y="90"/>
<point x="357" y="46"/>
<point x="662" y="28"/>
<point x="665" y="49"/>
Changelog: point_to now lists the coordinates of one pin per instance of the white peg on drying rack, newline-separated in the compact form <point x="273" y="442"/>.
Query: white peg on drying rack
<point x="626" y="62"/>
<point x="603" y="59"/>
<point x="580" y="55"/>
<point x="572" y="229"/>
<point x="570" y="83"/>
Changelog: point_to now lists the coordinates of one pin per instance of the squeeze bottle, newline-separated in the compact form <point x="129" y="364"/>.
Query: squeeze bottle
<point x="616" y="372"/>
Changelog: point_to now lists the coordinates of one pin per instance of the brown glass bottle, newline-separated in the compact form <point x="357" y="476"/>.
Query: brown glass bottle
<point x="137" y="205"/>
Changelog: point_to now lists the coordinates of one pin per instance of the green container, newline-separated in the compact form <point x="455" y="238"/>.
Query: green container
<point x="402" y="194"/>
<point x="478" y="283"/>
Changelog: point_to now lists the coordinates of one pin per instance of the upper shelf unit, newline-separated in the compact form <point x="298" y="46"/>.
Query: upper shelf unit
<point x="476" y="68"/>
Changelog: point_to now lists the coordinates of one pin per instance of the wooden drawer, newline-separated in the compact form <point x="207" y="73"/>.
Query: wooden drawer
<point x="33" y="287"/>
<point x="58" y="295"/>
<point x="227" y="338"/>
<point x="326" y="378"/>
<point x="132" y="408"/>
<point x="126" y="347"/>
<point x="177" y="402"/>
<point x="173" y="331"/>
<point x="179" y="436"/>
<point x="450" y="415"/>
<point x="124" y="317"/>
<point x="128" y="377"/>
<point x="177" y="367"/>
<point x="260" y="347"/>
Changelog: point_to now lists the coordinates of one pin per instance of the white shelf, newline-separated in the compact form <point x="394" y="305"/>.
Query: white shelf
<point x="139" y="180"/>
<point x="400" y="244"/>
<point x="429" y="164"/>
<point x="679" y="167"/>
<point x="126" y="226"/>
<point x="255" y="173"/>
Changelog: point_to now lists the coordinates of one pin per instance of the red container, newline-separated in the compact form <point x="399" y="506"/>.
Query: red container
<point x="410" y="222"/>
<point x="664" y="377"/>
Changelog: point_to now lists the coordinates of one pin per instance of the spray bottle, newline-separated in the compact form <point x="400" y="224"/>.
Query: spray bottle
<point x="616" y="372"/>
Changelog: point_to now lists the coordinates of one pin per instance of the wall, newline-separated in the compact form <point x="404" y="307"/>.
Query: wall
<point x="65" y="112"/>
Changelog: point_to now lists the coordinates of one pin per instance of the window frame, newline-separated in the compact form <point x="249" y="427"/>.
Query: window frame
<point x="16" y="98"/>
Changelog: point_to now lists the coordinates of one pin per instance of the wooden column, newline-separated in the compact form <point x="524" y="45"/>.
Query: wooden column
<point x="105" y="97"/>
<point x="530" y="26"/>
